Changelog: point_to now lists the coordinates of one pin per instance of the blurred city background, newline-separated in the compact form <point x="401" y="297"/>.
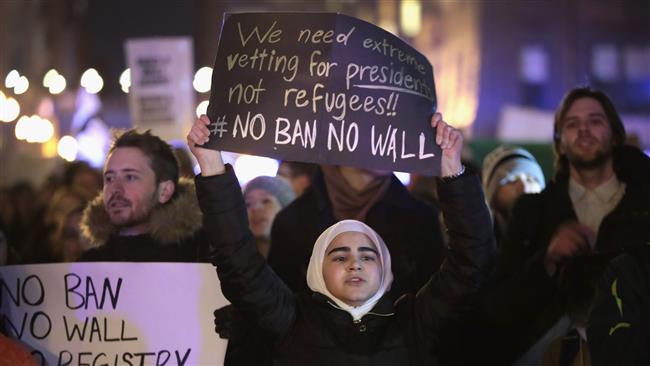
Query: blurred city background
<point x="501" y="68"/>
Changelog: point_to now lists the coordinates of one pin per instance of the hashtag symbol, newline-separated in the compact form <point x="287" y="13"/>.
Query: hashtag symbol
<point x="218" y="127"/>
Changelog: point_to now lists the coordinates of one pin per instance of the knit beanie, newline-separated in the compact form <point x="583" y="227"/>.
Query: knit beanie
<point x="278" y="187"/>
<point x="506" y="162"/>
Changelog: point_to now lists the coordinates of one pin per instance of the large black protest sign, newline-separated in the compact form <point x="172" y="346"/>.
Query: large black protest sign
<point x="323" y="88"/>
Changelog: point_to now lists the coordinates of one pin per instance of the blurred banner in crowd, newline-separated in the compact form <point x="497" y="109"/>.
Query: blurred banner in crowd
<point x="161" y="97"/>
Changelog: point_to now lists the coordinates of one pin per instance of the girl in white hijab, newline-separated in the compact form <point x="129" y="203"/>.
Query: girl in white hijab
<point x="315" y="275"/>
<point x="349" y="273"/>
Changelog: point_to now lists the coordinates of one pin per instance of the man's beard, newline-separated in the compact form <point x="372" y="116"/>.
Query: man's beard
<point x="141" y="217"/>
<point x="136" y="220"/>
<point x="602" y="156"/>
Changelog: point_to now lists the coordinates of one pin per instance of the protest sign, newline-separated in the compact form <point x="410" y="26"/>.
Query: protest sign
<point x="113" y="313"/>
<point x="161" y="97"/>
<point x="325" y="88"/>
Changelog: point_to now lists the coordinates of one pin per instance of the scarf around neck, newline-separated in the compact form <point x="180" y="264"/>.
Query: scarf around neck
<point x="348" y="203"/>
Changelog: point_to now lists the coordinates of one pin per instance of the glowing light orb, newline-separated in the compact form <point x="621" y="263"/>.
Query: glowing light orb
<point x="202" y="108"/>
<point x="125" y="80"/>
<point x="9" y="109"/>
<point x="91" y="81"/>
<point x="68" y="148"/>
<point x="202" y="79"/>
<point x="248" y="167"/>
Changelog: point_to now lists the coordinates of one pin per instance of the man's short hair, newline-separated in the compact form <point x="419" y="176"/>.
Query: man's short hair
<point x="615" y="122"/>
<point x="161" y="156"/>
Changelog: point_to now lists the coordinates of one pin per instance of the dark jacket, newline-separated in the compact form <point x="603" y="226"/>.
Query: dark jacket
<point x="400" y="219"/>
<point x="307" y="328"/>
<point x="176" y="234"/>
<point x="619" y="326"/>
<point x="524" y="302"/>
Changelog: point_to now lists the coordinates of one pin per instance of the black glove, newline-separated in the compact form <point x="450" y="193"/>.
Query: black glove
<point x="223" y="319"/>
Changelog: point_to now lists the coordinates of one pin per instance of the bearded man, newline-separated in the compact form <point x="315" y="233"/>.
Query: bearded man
<point x="559" y="241"/>
<point x="145" y="213"/>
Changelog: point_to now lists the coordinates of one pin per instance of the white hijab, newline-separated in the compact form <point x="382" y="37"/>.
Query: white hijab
<point x="315" y="279"/>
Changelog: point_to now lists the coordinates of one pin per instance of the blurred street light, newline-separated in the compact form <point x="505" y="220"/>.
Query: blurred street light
<point x="125" y="80"/>
<point x="91" y="80"/>
<point x="68" y="148"/>
<point x="58" y="84"/>
<point x="411" y="17"/>
<point x="21" y="85"/>
<point x="248" y="167"/>
<point x="12" y="79"/>
<point x="49" y="77"/>
<point x="54" y="81"/>
<point x="202" y="79"/>
<point x="34" y="129"/>
<point x="21" y="128"/>
<point x="9" y="109"/>
<point x="202" y="108"/>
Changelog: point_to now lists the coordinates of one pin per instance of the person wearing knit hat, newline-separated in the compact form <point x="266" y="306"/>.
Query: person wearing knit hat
<point x="265" y="197"/>
<point x="508" y="172"/>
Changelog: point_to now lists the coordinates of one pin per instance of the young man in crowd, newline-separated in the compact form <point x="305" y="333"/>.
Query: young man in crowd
<point x="145" y="213"/>
<point x="559" y="241"/>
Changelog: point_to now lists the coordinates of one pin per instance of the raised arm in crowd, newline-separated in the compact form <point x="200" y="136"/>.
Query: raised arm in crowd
<point x="347" y="318"/>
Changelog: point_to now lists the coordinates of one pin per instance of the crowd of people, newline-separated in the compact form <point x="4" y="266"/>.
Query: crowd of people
<point x="341" y="265"/>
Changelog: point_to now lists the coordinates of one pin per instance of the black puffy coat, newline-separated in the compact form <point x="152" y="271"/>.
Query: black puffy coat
<point x="306" y="329"/>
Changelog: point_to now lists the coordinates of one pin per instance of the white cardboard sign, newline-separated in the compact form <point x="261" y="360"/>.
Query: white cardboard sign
<point x="104" y="314"/>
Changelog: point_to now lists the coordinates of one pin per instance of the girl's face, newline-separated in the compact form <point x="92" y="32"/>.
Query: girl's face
<point x="509" y="191"/>
<point x="262" y="207"/>
<point x="352" y="268"/>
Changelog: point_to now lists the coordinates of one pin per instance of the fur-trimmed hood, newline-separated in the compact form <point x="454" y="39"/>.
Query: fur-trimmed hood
<point x="170" y="223"/>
